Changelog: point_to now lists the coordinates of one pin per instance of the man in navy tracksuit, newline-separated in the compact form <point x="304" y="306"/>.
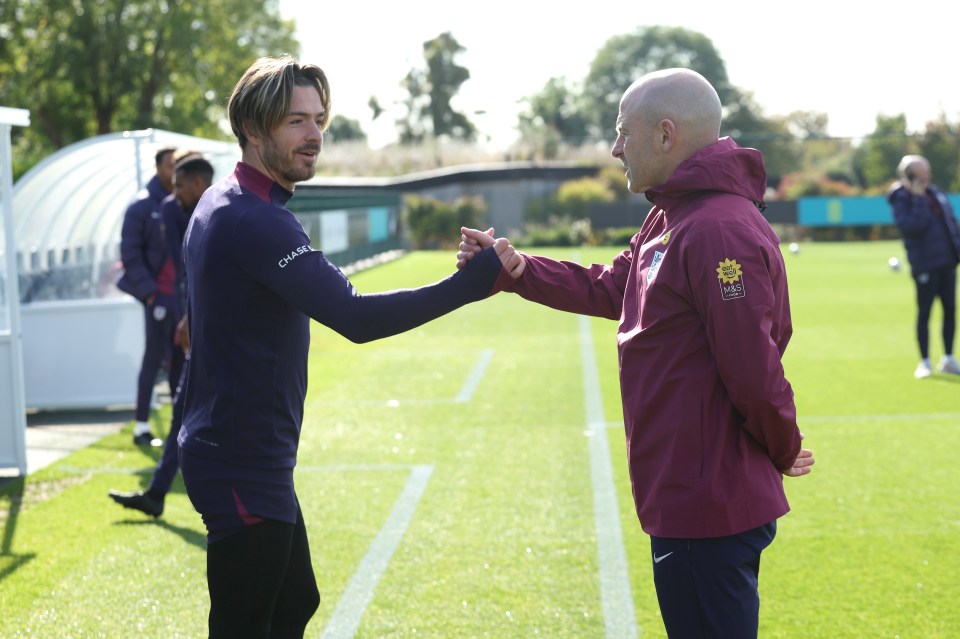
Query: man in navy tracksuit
<point x="149" y="275"/>
<point x="932" y="239"/>
<point x="193" y="175"/>
<point x="254" y="284"/>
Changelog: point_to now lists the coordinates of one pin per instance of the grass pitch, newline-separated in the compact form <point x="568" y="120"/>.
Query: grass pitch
<point x="445" y="477"/>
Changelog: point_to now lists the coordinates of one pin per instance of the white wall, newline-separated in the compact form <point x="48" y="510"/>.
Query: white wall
<point x="12" y="452"/>
<point x="82" y="353"/>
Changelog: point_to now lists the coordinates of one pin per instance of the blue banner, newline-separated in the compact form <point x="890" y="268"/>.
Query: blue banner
<point x="378" y="224"/>
<point x="851" y="211"/>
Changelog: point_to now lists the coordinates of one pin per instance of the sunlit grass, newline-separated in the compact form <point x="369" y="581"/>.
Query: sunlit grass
<point x="502" y="542"/>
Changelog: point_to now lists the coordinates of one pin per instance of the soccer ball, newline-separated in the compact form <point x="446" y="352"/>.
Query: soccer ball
<point x="894" y="264"/>
<point x="794" y="248"/>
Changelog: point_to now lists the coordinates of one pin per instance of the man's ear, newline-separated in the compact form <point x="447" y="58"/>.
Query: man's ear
<point x="252" y="136"/>
<point x="667" y="132"/>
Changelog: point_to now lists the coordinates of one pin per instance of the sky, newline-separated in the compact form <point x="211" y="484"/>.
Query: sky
<point x="851" y="62"/>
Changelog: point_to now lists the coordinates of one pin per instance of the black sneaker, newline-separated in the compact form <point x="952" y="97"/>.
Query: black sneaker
<point x="138" y="500"/>
<point x="147" y="439"/>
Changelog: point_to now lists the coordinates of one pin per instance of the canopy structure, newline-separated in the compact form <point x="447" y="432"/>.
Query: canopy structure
<point x="13" y="454"/>
<point x="68" y="210"/>
<point x="82" y="338"/>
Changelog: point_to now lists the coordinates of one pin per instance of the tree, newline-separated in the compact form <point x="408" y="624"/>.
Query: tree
<point x="876" y="160"/>
<point x="745" y="122"/>
<point x="429" y="109"/>
<point x="559" y="114"/>
<point x="88" y="68"/>
<point x="414" y="127"/>
<point x="625" y="58"/>
<point x="554" y="114"/>
<point x="375" y="107"/>
<point x="808" y="125"/>
<point x="344" y="129"/>
<point x="940" y="144"/>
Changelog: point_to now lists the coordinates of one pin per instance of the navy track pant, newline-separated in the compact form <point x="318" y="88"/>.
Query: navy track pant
<point x="707" y="588"/>
<point x="159" y="351"/>
<point x="169" y="463"/>
<point x="930" y="285"/>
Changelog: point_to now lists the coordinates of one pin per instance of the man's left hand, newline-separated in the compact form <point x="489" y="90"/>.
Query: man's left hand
<point x="802" y="464"/>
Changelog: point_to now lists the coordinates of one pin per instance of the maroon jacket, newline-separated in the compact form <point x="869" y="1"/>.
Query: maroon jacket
<point x="704" y="319"/>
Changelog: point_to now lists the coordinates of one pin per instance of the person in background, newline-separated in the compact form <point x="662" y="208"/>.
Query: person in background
<point x="701" y="297"/>
<point x="148" y="275"/>
<point x="254" y="284"/>
<point x="192" y="176"/>
<point x="931" y="238"/>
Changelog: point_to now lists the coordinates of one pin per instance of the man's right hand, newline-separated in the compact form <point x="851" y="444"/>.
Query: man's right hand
<point x="473" y="241"/>
<point x="917" y="184"/>
<point x="182" y="336"/>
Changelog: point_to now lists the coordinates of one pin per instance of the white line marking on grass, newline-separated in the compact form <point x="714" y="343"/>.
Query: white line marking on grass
<point x="341" y="468"/>
<point x="616" y="597"/>
<point x="887" y="417"/>
<point x="473" y="380"/>
<point x="470" y="386"/>
<point x="353" y="603"/>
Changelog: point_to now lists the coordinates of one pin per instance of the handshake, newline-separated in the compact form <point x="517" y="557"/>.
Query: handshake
<point x="473" y="241"/>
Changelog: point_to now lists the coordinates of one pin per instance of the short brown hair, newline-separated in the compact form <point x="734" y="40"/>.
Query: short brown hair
<point x="262" y="97"/>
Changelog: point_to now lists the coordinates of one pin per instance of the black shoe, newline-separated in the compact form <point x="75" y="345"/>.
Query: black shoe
<point x="138" y="500"/>
<point x="147" y="439"/>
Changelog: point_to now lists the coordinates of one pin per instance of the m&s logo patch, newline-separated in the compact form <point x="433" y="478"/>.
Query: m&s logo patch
<point x="730" y="277"/>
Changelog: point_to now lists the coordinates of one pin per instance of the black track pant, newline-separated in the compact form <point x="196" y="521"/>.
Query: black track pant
<point x="940" y="283"/>
<point x="261" y="582"/>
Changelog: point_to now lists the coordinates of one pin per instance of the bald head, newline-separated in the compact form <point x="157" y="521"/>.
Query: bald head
<point x="914" y="172"/>
<point x="912" y="164"/>
<point x="682" y="96"/>
<point x="665" y="117"/>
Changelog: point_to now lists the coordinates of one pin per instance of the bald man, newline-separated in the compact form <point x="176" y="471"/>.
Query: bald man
<point x="701" y="298"/>
<point x="931" y="238"/>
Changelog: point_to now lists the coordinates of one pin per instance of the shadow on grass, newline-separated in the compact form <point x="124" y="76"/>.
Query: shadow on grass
<point x="189" y="535"/>
<point x="13" y="496"/>
<point x="78" y="417"/>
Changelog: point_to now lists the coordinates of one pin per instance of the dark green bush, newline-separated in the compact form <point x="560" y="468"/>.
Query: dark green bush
<point x="557" y="232"/>
<point x="436" y="224"/>
<point x="616" y="237"/>
<point x="571" y="201"/>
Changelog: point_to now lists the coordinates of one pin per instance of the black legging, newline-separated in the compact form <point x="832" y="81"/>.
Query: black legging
<point x="261" y="582"/>
<point x="940" y="283"/>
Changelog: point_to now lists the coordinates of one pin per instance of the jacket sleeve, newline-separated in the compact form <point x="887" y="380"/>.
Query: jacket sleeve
<point x="282" y="260"/>
<point x="136" y="279"/>
<point x="567" y="286"/>
<point x="911" y="212"/>
<point x="739" y="287"/>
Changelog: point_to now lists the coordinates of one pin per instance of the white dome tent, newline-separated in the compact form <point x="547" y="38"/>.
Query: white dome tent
<point x="69" y="208"/>
<point x="83" y="338"/>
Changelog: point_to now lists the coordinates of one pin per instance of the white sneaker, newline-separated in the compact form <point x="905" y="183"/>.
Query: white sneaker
<point x="923" y="369"/>
<point x="948" y="365"/>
